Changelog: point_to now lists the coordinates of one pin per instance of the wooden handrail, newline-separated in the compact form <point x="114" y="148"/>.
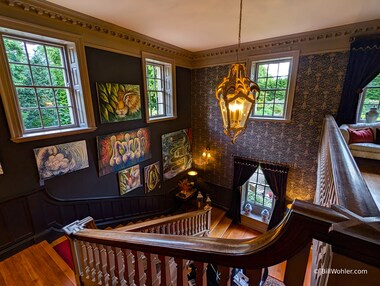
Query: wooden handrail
<point x="304" y="222"/>
<point x="348" y="184"/>
<point x="141" y="226"/>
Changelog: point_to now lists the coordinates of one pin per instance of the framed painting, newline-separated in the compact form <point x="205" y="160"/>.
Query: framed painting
<point x="152" y="177"/>
<point x="118" y="102"/>
<point x="176" y="152"/>
<point x="121" y="150"/>
<point x="129" y="179"/>
<point x="61" y="159"/>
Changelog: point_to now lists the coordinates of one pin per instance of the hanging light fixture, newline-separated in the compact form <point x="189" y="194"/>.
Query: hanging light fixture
<point x="236" y="95"/>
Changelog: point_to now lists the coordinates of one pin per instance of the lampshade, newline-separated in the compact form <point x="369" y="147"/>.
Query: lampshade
<point x="236" y="96"/>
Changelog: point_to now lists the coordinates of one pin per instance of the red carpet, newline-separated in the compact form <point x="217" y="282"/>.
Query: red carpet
<point x="63" y="249"/>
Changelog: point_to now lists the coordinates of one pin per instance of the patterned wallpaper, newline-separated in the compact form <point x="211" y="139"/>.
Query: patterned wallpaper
<point x="319" y="84"/>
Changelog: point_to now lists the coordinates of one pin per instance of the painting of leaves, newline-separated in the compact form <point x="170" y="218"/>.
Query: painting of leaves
<point x="61" y="159"/>
<point x="118" y="151"/>
<point x="152" y="177"/>
<point x="176" y="152"/>
<point x="129" y="179"/>
<point x="118" y="102"/>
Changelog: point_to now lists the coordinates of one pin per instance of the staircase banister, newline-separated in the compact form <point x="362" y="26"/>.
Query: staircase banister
<point x="351" y="190"/>
<point x="281" y="243"/>
<point x="162" y="221"/>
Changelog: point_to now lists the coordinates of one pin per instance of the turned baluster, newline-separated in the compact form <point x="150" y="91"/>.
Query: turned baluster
<point x="192" y="226"/>
<point x="103" y="259"/>
<point x="181" y="227"/>
<point x="181" y="272"/>
<point x="91" y="265"/>
<point x="139" y="268"/>
<point x="120" y="266"/>
<point x="166" y="279"/>
<point x="85" y="267"/>
<point x="129" y="265"/>
<point x="200" y="277"/>
<point x="111" y="265"/>
<point x="151" y="270"/>
<point x="99" y="274"/>
<point x="225" y="275"/>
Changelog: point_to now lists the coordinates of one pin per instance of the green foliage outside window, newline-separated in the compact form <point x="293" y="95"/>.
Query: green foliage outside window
<point x="39" y="76"/>
<point x="371" y="97"/>
<point x="273" y="80"/>
<point x="155" y="88"/>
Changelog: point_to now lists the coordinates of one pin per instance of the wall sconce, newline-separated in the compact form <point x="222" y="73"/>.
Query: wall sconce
<point x="206" y="155"/>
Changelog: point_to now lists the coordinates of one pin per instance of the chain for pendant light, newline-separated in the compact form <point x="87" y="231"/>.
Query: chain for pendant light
<point x="239" y="37"/>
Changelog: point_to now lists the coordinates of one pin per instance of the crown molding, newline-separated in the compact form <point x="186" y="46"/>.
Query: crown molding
<point x="92" y="30"/>
<point x="319" y="41"/>
<point x="103" y="35"/>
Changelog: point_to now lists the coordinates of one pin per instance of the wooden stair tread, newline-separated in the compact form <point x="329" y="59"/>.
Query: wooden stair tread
<point x="221" y="227"/>
<point x="216" y="216"/>
<point x="36" y="265"/>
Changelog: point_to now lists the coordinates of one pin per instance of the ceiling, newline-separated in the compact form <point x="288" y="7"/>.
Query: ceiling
<point x="197" y="25"/>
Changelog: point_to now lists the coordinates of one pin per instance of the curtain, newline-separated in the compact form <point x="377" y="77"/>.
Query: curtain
<point x="276" y="177"/>
<point x="243" y="170"/>
<point x="363" y="66"/>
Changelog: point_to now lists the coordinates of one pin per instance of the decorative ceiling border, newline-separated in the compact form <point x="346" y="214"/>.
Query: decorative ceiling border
<point x="53" y="11"/>
<point x="326" y="40"/>
<point x="334" y="38"/>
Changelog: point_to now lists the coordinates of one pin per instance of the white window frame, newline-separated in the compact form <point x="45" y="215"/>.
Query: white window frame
<point x="169" y="88"/>
<point x="293" y="56"/>
<point x="361" y="103"/>
<point x="78" y="75"/>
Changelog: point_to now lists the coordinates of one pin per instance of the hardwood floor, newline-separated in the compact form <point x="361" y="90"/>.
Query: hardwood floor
<point x="370" y="170"/>
<point x="36" y="265"/>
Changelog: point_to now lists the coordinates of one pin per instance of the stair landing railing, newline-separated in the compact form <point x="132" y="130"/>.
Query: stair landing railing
<point x="112" y="257"/>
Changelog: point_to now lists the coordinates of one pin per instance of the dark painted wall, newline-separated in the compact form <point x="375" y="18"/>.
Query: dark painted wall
<point x="20" y="171"/>
<point x="319" y="84"/>
<point x="28" y="214"/>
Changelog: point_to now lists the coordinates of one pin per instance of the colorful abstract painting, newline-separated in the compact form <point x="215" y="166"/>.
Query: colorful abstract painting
<point x="61" y="159"/>
<point x="118" y="102"/>
<point x="176" y="152"/>
<point x="121" y="150"/>
<point x="129" y="179"/>
<point x="152" y="177"/>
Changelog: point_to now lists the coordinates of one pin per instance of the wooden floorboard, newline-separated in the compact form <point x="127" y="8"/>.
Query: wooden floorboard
<point x="370" y="170"/>
<point x="37" y="265"/>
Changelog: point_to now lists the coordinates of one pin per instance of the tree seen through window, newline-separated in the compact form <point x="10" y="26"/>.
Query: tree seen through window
<point x="39" y="76"/>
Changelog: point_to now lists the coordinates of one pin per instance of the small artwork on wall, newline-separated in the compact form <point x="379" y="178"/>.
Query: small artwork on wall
<point x="118" y="102"/>
<point x="1" y="170"/>
<point x="176" y="152"/>
<point x="152" y="177"/>
<point x="118" y="151"/>
<point x="61" y="159"/>
<point x="129" y="179"/>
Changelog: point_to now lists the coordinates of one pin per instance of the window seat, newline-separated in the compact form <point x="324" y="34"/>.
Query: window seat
<point x="369" y="150"/>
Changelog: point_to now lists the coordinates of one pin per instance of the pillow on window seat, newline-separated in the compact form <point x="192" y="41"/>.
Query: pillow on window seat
<point x="377" y="136"/>
<point x="361" y="135"/>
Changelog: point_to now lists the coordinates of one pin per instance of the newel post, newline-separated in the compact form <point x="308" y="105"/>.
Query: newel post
<point x="70" y="230"/>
